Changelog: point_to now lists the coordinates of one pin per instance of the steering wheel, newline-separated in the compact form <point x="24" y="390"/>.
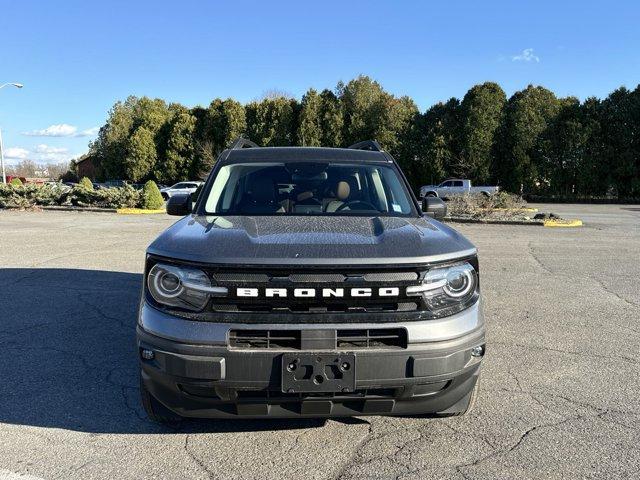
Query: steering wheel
<point x="367" y="205"/>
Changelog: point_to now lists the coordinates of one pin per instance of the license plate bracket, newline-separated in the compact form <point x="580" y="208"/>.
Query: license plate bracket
<point x="318" y="372"/>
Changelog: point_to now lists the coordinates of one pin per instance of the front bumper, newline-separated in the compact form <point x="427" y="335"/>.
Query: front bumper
<point x="196" y="374"/>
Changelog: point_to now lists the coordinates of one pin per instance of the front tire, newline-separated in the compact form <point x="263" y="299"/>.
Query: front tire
<point x="155" y="410"/>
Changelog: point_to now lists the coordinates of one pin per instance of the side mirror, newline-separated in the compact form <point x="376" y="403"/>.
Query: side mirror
<point x="179" y="205"/>
<point x="434" y="207"/>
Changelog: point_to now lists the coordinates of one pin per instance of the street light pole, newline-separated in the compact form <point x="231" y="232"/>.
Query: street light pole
<point x="4" y="176"/>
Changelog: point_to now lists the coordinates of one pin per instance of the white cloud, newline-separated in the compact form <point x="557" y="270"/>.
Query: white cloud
<point x="16" y="153"/>
<point x="89" y="132"/>
<point x="59" y="130"/>
<point x="40" y="154"/>
<point x="62" y="130"/>
<point x="526" y="56"/>
<point x="42" y="148"/>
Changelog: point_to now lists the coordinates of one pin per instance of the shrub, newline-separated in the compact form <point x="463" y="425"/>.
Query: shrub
<point x="10" y="197"/>
<point x="46" y="194"/>
<point x="500" y="205"/>
<point x="116" y="197"/>
<point x="86" y="183"/>
<point x="151" y="197"/>
<point x="16" y="182"/>
<point x="31" y="195"/>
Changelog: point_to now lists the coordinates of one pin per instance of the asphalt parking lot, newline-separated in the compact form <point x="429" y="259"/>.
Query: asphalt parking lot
<point x="559" y="398"/>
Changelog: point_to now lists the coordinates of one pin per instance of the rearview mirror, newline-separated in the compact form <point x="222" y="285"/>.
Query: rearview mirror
<point x="434" y="207"/>
<point x="179" y="204"/>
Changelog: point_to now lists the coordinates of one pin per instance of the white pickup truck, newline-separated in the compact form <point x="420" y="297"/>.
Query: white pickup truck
<point x="455" y="186"/>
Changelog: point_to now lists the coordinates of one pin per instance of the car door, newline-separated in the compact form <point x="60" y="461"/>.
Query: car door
<point x="457" y="187"/>
<point x="444" y="188"/>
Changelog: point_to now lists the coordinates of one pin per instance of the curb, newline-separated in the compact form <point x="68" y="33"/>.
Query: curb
<point x="563" y="223"/>
<point x="77" y="209"/>
<point x="531" y="223"/>
<point x="527" y="209"/>
<point x="138" y="211"/>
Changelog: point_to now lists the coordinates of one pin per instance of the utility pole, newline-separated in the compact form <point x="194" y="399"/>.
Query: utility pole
<point x="4" y="176"/>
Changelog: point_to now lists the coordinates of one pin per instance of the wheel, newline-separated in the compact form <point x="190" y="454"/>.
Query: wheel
<point x="155" y="410"/>
<point x="485" y="194"/>
<point x="431" y="194"/>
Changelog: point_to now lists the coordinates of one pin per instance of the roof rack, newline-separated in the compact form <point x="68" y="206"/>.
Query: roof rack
<point x="240" y="143"/>
<point x="371" y="145"/>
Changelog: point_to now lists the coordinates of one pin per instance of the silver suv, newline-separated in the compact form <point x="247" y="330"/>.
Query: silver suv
<point x="309" y="282"/>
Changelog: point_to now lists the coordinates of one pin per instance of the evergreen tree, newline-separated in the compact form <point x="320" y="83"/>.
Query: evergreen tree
<point x="480" y="114"/>
<point x="310" y="128"/>
<point x="331" y="119"/>
<point x="271" y="122"/>
<point x="521" y="151"/>
<point x="141" y="155"/>
<point x="179" y="153"/>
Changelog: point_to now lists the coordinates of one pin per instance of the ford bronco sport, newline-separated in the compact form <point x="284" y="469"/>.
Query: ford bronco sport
<point x="308" y="282"/>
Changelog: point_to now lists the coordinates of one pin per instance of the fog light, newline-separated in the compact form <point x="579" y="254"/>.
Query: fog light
<point x="147" y="354"/>
<point x="477" y="351"/>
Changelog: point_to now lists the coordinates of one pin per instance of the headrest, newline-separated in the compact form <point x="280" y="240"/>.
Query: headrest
<point x="343" y="190"/>
<point x="263" y="190"/>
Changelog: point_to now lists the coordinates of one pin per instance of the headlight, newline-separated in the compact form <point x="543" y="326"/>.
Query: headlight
<point x="448" y="290"/>
<point x="183" y="287"/>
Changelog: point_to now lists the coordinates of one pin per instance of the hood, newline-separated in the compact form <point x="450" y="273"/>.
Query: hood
<point x="309" y="240"/>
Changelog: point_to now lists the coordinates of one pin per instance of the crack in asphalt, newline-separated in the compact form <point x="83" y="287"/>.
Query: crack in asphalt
<point x="72" y="254"/>
<point x="538" y="262"/>
<point x="590" y="354"/>
<point x="105" y="316"/>
<point x="394" y="458"/>
<point x="83" y="361"/>
<point x="201" y="465"/>
<point x="506" y="451"/>
<point x="611" y="292"/>
<point x="356" y="451"/>
<point x="601" y="284"/>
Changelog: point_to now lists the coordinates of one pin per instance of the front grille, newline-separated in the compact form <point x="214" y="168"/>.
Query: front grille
<point x="276" y="396"/>
<point x="323" y="284"/>
<point x="239" y="277"/>
<point x="280" y="339"/>
<point x="388" y="277"/>
<point x="372" y="338"/>
<point x="391" y="277"/>
<point x="220" y="306"/>
<point x="347" y="339"/>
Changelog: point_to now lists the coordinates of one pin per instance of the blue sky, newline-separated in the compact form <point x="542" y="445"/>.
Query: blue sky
<point x="77" y="58"/>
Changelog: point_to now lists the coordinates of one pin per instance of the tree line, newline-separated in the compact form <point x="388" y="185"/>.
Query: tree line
<point x="533" y="142"/>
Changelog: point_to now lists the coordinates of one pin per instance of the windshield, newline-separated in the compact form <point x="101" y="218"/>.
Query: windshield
<point x="319" y="188"/>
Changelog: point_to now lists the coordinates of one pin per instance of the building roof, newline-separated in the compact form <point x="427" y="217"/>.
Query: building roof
<point x="84" y="157"/>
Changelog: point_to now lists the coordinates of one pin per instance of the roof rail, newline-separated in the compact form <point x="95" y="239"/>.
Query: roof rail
<point x="371" y="145"/>
<point x="240" y="142"/>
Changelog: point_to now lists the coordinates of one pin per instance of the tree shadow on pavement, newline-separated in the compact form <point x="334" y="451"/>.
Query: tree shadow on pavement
<point x="68" y="355"/>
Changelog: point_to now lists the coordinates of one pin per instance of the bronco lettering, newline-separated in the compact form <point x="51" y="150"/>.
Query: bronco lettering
<point x="313" y="292"/>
